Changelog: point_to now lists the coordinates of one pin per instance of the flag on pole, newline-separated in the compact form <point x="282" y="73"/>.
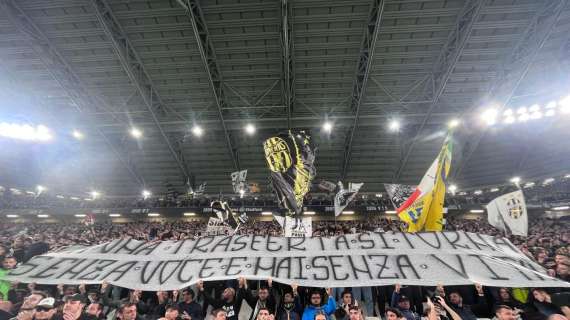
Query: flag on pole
<point x="398" y="193"/>
<point x="239" y="181"/>
<point x="295" y="227"/>
<point x="201" y="189"/>
<point x="344" y="196"/>
<point x="423" y="210"/>
<point x="509" y="210"/>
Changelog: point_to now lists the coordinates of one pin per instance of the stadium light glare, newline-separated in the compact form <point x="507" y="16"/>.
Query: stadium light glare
<point x="79" y="215"/>
<point x="510" y="119"/>
<point x="516" y="180"/>
<point x="267" y="213"/>
<point x="189" y="214"/>
<point x="494" y="189"/>
<point x="309" y="213"/>
<point x="146" y="194"/>
<point x="390" y="211"/>
<point x="153" y="214"/>
<point x="508" y="112"/>
<point x="561" y="208"/>
<point x="536" y="115"/>
<point x="394" y="125"/>
<point x="197" y="131"/>
<point x="478" y="192"/>
<point x="551" y="105"/>
<point x="548" y="181"/>
<point x="136" y="133"/>
<point x="534" y="108"/>
<point x="550" y="113"/>
<point x="94" y="194"/>
<point x="522" y="110"/>
<point x="453" y="123"/>
<point x="489" y="116"/>
<point x="476" y="210"/>
<point x="564" y="104"/>
<point x="12" y="216"/>
<point x="452" y="188"/>
<point x="379" y="195"/>
<point x="327" y="127"/>
<point x="77" y="134"/>
<point x="529" y="184"/>
<point x="74" y="198"/>
<point x="567" y="176"/>
<point x="524" y="117"/>
<point x="59" y="196"/>
<point x="348" y="213"/>
<point x="43" y="216"/>
<point x="40" y="188"/>
<point x="25" y="132"/>
<point x="250" y="129"/>
<point x="114" y="215"/>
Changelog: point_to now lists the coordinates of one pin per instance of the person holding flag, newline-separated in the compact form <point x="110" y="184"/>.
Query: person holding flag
<point x="423" y="210"/>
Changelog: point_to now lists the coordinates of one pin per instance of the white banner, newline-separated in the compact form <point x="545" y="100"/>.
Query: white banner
<point x="295" y="227"/>
<point x="366" y="259"/>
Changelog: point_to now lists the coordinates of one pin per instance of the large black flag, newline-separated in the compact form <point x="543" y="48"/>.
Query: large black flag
<point x="290" y="157"/>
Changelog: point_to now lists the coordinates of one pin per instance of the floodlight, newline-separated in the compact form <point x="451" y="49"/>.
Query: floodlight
<point x="146" y="194"/>
<point x="327" y="126"/>
<point x="25" y="132"/>
<point x="136" y="133"/>
<point x="453" y="123"/>
<point x="94" y="194"/>
<point x="197" y="131"/>
<point x="489" y="116"/>
<point x="516" y="180"/>
<point x="250" y="129"/>
<point x="77" y="134"/>
<point x="394" y="125"/>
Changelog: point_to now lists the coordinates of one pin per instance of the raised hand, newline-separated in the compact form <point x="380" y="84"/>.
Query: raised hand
<point x="104" y="286"/>
<point x="329" y="292"/>
<point x="479" y="288"/>
<point x="294" y="287"/>
<point x="82" y="289"/>
<point x="269" y="282"/>
<point x="200" y="285"/>
<point x="397" y="287"/>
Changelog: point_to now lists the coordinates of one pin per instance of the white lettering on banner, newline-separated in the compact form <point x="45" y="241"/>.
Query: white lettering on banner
<point x="366" y="259"/>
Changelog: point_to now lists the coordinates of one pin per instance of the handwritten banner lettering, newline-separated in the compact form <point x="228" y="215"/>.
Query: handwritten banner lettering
<point x="366" y="259"/>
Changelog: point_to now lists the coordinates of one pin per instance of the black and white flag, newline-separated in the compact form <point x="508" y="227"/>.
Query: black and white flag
<point x="201" y="189"/>
<point x="239" y="181"/>
<point x="344" y="196"/>
<point x="399" y="193"/>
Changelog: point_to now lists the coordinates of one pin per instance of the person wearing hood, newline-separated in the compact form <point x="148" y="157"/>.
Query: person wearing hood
<point x="230" y="301"/>
<point x="315" y="306"/>
<point x="403" y="304"/>
<point x="290" y="308"/>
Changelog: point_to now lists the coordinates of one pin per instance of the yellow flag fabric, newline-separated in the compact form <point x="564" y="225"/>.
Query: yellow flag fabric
<point x="423" y="211"/>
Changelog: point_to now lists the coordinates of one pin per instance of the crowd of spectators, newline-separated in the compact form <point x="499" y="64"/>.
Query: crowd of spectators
<point x="548" y="243"/>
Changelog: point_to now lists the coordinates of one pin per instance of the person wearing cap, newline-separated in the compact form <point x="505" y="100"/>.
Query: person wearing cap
<point x="27" y="310"/>
<point x="45" y="310"/>
<point x="188" y="307"/>
<point x="73" y="307"/>
<point x="402" y="303"/>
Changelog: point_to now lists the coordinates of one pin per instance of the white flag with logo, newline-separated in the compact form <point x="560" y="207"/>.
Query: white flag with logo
<point x="509" y="210"/>
<point x="295" y="227"/>
<point x="344" y="196"/>
<point x="238" y="180"/>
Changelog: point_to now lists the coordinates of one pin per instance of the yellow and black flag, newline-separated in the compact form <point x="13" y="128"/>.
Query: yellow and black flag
<point x="290" y="157"/>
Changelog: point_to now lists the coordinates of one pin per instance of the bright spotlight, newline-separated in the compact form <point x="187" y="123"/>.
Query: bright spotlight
<point x="77" y="134"/>
<point x="94" y="194"/>
<point x="25" y="132"/>
<point x="453" y="123"/>
<point x="534" y="108"/>
<point x="478" y="192"/>
<point x="551" y="105"/>
<point x="197" y="131"/>
<point x="494" y="189"/>
<point x="524" y="117"/>
<point x="250" y="129"/>
<point x="136" y="133"/>
<point x="548" y="181"/>
<point x="452" y="189"/>
<point x="489" y="116"/>
<point x="521" y="110"/>
<point x="40" y="189"/>
<point x="241" y="193"/>
<point x="550" y="113"/>
<point x="146" y="194"/>
<point x="516" y="180"/>
<point x="508" y="112"/>
<point x="327" y="126"/>
<point x="536" y="115"/>
<point x="394" y="125"/>
<point x="509" y="120"/>
<point x="565" y="105"/>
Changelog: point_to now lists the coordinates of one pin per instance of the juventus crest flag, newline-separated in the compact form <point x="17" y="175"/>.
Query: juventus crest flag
<point x="345" y="196"/>
<point x="239" y="181"/>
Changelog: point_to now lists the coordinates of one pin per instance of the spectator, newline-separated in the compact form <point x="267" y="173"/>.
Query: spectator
<point x="355" y="313"/>
<point x="265" y="299"/>
<point x="506" y="299"/>
<point x="219" y="314"/>
<point x="347" y="301"/>
<point x="27" y="309"/>
<point x="543" y="303"/>
<point x="503" y="312"/>
<point x="8" y="263"/>
<point x="45" y="310"/>
<point x="73" y="307"/>
<point x="95" y="310"/>
<point x="402" y="303"/>
<point x="393" y="314"/>
<point x="171" y="312"/>
<point x="290" y="307"/>
<point x="263" y="314"/>
<point x="188" y="307"/>
<point x="315" y="305"/>
<point x="127" y="311"/>
<point x="466" y="311"/>
<point x="230" y="302"/>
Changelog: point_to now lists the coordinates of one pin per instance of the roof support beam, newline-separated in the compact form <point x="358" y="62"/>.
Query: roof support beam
<point x="206" y="49"/>
<point x="134" y="68"/>
<point x="363" y="69"/>
<point x="514" y="68"/>
<point x="444" y="67"/>
<point x="287" y="66"/>
<point x="66" y="77"/>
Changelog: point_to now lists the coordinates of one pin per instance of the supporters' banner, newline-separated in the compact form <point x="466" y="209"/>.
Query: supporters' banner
<point x="510" y="210"/>
<point x="295" y="227"/>
<point x="399" y="193"/>
<point x="366" y="259"/>
<point x="325" y="185"/>
<point x="344" y="196"/>
<point x="217" y="227"/>
<point x="89" y="219"/>
<point x="423" y="210"/>
<point x="239" y="181"/>
<point x="290" y="157"/>
<point x="201" y="189"/>
<point x="227" y="215"/>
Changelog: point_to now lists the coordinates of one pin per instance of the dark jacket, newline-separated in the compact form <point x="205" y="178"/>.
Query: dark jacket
<point x="408" y="314"/>
<point x="467" y="312"/>
<point x="290" y="314"/>
<point x="270" y="303"/>
<point x="193" y="309"/>
<point x="231" y="308"/>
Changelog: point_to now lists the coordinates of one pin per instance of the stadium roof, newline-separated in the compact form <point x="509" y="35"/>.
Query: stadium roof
<point x="105" y="66"/>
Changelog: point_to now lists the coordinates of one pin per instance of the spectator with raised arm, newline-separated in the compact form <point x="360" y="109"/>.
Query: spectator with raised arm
<point x="290" y="307"/>
<point x="265" y="299"/>
<point x="402" y="303"/>
<point x="230" y="301"/>
<point x="467" y="312"/>
<point x="315" y="305"/>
